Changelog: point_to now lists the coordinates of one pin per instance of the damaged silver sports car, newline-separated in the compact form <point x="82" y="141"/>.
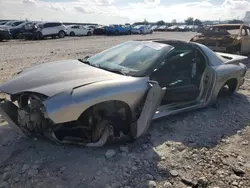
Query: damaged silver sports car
<point x="118" y="92"/>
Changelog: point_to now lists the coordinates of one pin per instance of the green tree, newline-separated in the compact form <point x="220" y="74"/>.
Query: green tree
<point x="235" y="21"/>
<point x="160" y="22"/>
<point x="189" y="21"/>
<point x="197" y="22"/>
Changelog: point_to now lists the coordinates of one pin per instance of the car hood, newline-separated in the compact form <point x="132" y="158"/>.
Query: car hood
<point x="55" y="77"/>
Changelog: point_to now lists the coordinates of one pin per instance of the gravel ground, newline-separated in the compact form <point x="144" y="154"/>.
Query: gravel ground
<point x="205" y="148"/>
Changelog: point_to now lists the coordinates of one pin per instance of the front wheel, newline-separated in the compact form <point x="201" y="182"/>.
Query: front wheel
<point x="89" y="33"/>
<point x="116" y="33"/>
<point x="72" y="33"/>
<point x="61" y="34"/>
<point x="39" y="36"/>
<point x="18" y="36"/>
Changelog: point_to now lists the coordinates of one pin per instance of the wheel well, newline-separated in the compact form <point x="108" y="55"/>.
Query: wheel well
<point x="118" y="112"/>
<point x="61" y="31"/>
<point x="232" y="84"/>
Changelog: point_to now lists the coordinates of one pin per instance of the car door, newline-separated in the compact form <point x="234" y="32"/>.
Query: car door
<point x="245" y="42"/>
<point x="77" y="30"/>
<point x="84" y="30"/>
<point x="152" y="102"/>
<point x="46" y="30"/>
<point x="55" y="27"/>
<point x="73" y="29"/>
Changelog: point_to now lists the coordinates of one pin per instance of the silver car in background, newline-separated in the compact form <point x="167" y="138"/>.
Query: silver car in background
<point x="118" y="92"/>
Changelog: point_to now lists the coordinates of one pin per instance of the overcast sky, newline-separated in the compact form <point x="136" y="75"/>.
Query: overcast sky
<point x="121" y="11"/>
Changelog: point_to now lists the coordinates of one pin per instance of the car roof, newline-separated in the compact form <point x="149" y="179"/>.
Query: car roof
<point x="50" y="22"/>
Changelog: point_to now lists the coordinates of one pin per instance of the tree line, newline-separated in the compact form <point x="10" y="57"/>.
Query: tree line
<point x="188" y="21"/>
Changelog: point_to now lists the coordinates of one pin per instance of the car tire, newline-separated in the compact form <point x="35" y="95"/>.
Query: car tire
<point x="116" y="33"/>
<point x="61" y="34"/>
<point x="89" y="33"/>
<point x="72" y="33"/>
<point x="19" y="36"/>
<point x="39" y="36"/>
<point x="129" y="33"/>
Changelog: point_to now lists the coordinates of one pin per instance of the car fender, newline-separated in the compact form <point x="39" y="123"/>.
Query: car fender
<point x="227" y="72"/>
<point x="69" y="105"/>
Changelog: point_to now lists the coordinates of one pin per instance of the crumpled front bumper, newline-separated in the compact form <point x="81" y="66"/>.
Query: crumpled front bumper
<point x="9" y="112"/>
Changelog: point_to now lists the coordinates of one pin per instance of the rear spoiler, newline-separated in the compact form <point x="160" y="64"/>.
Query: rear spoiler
<point x="232" y="58"/>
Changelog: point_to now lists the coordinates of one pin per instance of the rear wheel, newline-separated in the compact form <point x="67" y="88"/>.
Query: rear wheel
<point x="72" y="33"/>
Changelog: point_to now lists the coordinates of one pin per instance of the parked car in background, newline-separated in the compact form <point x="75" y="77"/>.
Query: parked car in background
<point x="153" y="27"/>
<point x="183" y="28"/>
<point x="79" y="30"/>
<point x="4" y="34"/>
<point x="11" y="24"/>
<point x="162" y="28"/>
<point x="231" y="38"/>
<point x="146" y="29"/>
<point x="99" y="30"/>
<point x="118" y="30"/>
<point x="17" y="31"/>
<point x="136" y="29"/>
<point x="47" y="29"/>
<point x="30" y="31"/>
<point x="141" y="29"/>
<point x="118" y="92"/>
<point x="173" y="28"/>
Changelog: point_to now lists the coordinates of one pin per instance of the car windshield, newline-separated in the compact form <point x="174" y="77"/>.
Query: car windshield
<point x="131" y="58"/>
